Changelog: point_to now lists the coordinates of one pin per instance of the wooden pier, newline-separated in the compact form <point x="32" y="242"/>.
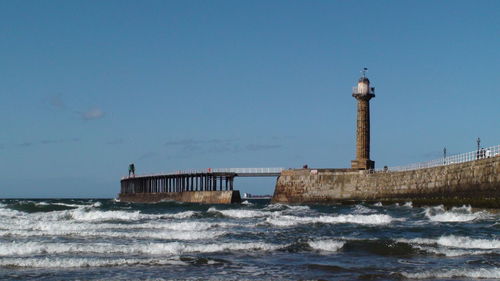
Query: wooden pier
<point x="204" y="186"/>
<point x="178" y="183"/>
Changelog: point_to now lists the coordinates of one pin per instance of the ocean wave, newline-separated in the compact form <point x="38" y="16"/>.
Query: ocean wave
<point x="180" y="215"/>
<point x="329" y="245"/>
<point x="360" y="209"/>
<point x="94" y="215"/>
<point x="374" y="219"/>
<point x="83" y="262"/>
<point x="456" y="242"/>
<point x="83" y="233"/>
<point x="86" y="214"/>
<point x="9" y="213"/>
<point x="468" y="243"/>
<point x="452" y="246"/>
<point x="408" y="204"/>
<point x="172" y="248"/>
<point x="491" y="273"/>
<point x="460" y="214"/>
<point x="452" y="252"/>
<point x="281" y="207"/>
<point x="239" y="214"/>
<point x="58" y="224"/>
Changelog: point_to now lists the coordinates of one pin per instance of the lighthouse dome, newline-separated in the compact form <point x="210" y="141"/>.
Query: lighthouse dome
<point x="364" y="80"/>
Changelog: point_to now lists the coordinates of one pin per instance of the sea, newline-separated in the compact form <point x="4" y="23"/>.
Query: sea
<point x="104" y="239"/>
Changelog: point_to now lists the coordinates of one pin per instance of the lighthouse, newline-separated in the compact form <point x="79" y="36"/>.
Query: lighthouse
<point x="363" y="93"/>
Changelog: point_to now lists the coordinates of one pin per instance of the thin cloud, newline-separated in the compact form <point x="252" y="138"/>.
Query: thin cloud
<point x="116" y="141"/>
<point x="58" y="141"/>
<point x="147" y="155"/>
<point x="192" y="142"/>
<point x="57" y="102"/>
<point x="432" y="154"/>
<point x="25" y="144"/>
<point x="259" y="147"/>
<point x="47" y="142"/>
<point x="93" y="114"/>
<point x="213" y="146"/>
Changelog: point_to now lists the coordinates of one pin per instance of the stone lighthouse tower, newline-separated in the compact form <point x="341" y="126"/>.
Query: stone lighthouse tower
<point x="363" y="93"/>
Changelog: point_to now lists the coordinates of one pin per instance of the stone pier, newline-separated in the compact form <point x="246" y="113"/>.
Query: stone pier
<point x="475" y="183"/>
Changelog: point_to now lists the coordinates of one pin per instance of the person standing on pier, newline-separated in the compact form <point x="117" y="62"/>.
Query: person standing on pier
<point x="131" y="170"/>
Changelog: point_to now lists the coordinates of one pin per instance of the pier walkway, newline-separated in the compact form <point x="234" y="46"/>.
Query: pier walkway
<point x="192" y="180"/>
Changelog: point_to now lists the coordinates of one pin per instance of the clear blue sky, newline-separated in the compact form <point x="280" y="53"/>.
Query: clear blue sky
<point x="89" y="86"/>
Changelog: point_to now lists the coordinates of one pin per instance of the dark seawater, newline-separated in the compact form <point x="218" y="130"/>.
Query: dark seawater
<point x="88" y="239"/>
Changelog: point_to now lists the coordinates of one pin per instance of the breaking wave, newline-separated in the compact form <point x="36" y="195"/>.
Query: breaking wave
<point x="172" y="248"/>
<point x="468" y="243"/>
<point x="360" y="209"/>
<point x="83" y="262"/>
<point x="238" y="213"/>
<point x="39" y="236"/>
<point x="461" y="214"/>
<point x="408" y="204"/>
<point x="456" y="242"/>
<point x="452" y="245"/>
<point x="374" y="219"/>
<point x="326" y="245"/>
<point x="490" y="273"/>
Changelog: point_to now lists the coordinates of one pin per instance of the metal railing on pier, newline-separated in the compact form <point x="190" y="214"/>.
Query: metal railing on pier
<point x="493" y="151"/>
<point x="238" y="171"/>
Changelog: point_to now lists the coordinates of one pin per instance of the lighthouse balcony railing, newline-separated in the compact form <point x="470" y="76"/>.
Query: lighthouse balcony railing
<point x="493" y="151"/>
<point x="360" y="91"/>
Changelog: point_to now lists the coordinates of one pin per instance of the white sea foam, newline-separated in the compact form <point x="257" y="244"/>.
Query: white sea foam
<point x="326" y="245"/>
<point x="173" y="248"/>
<point x="468" y="243"/>
<point x="68" y="205"/>
<point x="83" y="262"/>
<point x="83" y="215"/>
<point x="460" y="214"/>
<point x="360" y="209"/>
<point x="281" y="207"/>
<point x="452" y="246"/>
<point x="452" y="252"/>
<point x="421" y="241"/>
<point x="151" y="234"/>
<point x="238" y="213"/>
<point x="378" y="204"/>
<point x="9" y="213"/>
<point x="42" y="203"/>
<point x="180" y="215"/>
<point x="61" y="223"/>
<point x="408" y="204"/>
<point x="298" y="207"/>
<point x="374" y="219"/>
<point x="490" y="273"/>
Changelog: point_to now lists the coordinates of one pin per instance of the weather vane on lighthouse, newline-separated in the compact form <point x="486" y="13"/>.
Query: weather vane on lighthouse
<point x="364" y="71"/>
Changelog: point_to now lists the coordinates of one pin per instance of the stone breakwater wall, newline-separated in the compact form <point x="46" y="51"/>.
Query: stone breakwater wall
<point x="476" y="183"/>
<point x="206" y="197"/>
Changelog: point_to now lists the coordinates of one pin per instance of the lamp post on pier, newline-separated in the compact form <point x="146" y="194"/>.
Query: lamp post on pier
<point x="478" y="147"/>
